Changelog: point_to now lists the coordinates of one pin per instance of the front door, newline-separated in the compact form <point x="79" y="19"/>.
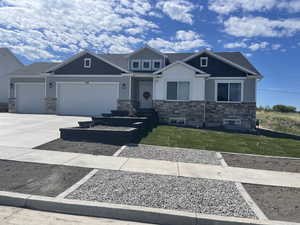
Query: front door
<point x="145" y="94"/>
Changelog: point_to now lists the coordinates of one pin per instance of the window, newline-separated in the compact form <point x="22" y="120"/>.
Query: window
<point x="146" y="64"/>
<point x="229" y="92"/>
<point x="203" y="61"/>
<point x="178" y="90"/>
<point x="156" y="64"/>
<point x="87" y="63"/>
<point x="232" y="122"/>
<point x="177" y="120"/>
<point x="135" y="64"/>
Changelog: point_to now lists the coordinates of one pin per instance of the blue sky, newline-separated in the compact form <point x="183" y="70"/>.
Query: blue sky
<point x="266" y="31"/>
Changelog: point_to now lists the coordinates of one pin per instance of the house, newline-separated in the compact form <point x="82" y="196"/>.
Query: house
<point x="8" y="64"/>
<point x="195" y="89"/>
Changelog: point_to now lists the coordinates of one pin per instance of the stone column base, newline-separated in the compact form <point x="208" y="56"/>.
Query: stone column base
<point x="51" y="105"/>
<point x="12" y="107"/>
<point x="127" y="105"/>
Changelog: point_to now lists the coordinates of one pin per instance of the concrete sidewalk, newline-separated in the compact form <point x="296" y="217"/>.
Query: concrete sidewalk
<point x="242" y="175"/>
<point x="19" y="216"/>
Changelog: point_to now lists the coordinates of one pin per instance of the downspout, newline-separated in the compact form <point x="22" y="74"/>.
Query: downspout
<point x="204" y="106"/>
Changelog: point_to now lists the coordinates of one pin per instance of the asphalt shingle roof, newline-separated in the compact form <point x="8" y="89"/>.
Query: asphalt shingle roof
<point x="121" y="60"/>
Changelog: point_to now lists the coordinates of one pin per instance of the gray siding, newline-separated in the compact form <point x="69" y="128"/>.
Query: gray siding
<point x="123" y="92"/>
<point x="216" y="67"/>
<point x="249" y="90"/>
<point x="145" y="54"/>
<point x="98" y="67"/>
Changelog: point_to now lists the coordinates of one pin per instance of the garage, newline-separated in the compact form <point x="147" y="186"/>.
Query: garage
<point x="30" y="97"/>
<point x="86" y="99"/>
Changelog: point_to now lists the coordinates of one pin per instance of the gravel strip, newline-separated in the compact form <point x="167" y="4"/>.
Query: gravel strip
<point x="170" y="154"/>
<point x="262" y="163"/>
<point x="278" y="203"/>
<point x="94" y="148"/>
<point x="167" y="192"/>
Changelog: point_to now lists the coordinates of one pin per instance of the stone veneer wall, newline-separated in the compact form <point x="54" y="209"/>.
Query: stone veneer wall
<point x="128" y="105"/>
<point x="12" y="107"/>
<point x="192" y="111"/>
<point x="51" y="105"/>
<point x="216" y="112"/>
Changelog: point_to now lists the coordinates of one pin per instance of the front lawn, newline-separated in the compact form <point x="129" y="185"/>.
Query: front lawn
<point x="222" y="141"/>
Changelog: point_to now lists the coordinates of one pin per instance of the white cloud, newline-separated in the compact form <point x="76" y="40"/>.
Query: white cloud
<point x="276" y="46"/>
<point x="257" y="46"/>
<point x="291" y="6"/>
<point x="229" y="6"/>
<point x="260" y="26"/>
<point x="240" y="44"/>
<point x="34" y="28"/>
<point x="179" y="10"/>
<point x="184" y="40"/>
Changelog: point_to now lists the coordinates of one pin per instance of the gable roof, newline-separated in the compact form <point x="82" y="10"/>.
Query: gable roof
<point x="147" y="47"/>
<point x="34" y="69"/>
<point x="8" y="62"/>
<point x="71" y="59"/>
<point x="181" y="63"/>
<point x="225" y="60"/>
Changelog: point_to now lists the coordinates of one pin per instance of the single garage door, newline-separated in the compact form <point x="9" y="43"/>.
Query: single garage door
<point x="30" y="98"/>
<point x="86" y="99"/>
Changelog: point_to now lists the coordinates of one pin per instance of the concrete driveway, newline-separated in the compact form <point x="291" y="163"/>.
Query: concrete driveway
<point x="29" y="131"/>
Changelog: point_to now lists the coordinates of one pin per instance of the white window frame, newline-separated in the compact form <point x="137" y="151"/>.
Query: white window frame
<point x="178" y="81"/>
<point x="229" y="82"/>
<point x="87" y="63"/>
<point x="177" y="119"/>
<point x="150" y="66"/>
<point x="155" y="61"/>
<point x="237" y="122"/>
<point x="205" y="59"/>
<point x="134" y="61"/>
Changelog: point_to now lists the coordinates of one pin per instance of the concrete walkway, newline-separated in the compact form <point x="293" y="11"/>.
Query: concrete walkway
<point x="19" y="216"/>
<point x="242" y="175"/>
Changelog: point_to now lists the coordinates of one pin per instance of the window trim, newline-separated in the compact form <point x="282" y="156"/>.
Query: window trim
<point x="228" y="82"/>
<point x="201" y="61"/>
<point x="134" y="61"/>
<point x="150" y="65"/>
<point x="155" y="61"/>
<point x="178" y="100"/>
<point x="87" y="63"/>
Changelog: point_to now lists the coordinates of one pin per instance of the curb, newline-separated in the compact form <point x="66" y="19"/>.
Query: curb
<point x="123" y="212"/>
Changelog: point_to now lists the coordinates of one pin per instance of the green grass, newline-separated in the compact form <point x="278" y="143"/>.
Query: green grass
<point x="222" y="141"/>
<point x="282" y="122"/>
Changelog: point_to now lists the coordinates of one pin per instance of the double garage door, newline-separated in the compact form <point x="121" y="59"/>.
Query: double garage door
<point x="86" y="99"/>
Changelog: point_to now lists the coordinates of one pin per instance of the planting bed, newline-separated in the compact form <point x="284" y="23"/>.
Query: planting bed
<point x="94" y="148"/>
<point x="170" y="154"/>
<point x="167" y="192"/>
<point x="38" y="179"/>
<point x="278" y="203"/>
<point x="263" y="163"/>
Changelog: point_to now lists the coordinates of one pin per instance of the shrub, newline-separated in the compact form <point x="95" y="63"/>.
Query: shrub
<point x="284" y="108"/>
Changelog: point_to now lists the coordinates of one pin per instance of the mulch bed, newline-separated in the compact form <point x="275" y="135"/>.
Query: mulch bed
<point x="38" y="179"/>
<point x="94" y="148"/>
<point x="278" y="203"/>
<point x="263" y="163"/>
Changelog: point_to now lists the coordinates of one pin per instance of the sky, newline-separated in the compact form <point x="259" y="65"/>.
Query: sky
<point x="267" y="32"/>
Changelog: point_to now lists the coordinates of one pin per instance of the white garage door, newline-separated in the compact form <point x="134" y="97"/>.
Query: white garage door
<point x="86" y="99"/>
<point x="30" y="97"/>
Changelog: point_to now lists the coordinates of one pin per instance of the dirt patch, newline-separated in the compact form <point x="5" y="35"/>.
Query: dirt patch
<point x="278" y="203"/>
<point x="94" y="148"/>
<point x="263" y="163"/>
<point x="38" y="179"/>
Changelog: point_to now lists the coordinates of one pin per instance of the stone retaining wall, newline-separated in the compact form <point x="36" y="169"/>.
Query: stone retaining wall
<point x="12" y="107"/>
<point x="50" y="105"/>
<point x="128" y="105"/>
<point x="214" y="113"/>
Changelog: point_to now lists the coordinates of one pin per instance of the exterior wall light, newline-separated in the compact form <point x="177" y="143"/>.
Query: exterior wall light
<point x="11" y="85"/>
<point x="50" y="85"/>
<point x="123" y="86"/>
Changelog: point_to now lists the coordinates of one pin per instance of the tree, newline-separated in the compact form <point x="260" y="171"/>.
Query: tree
<point x="284" y="108"/>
